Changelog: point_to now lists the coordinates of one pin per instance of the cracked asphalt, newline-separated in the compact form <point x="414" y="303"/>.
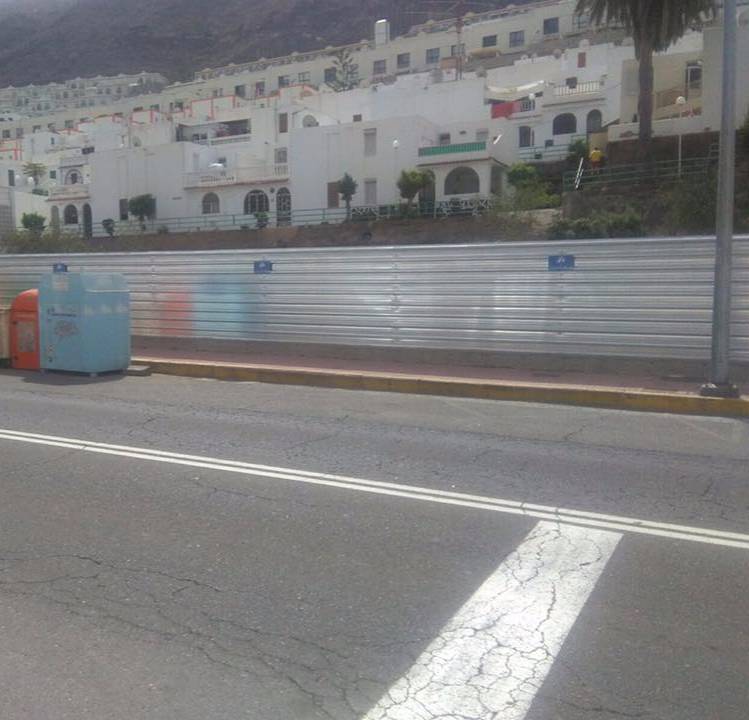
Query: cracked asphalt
<point x="133" y="589"/>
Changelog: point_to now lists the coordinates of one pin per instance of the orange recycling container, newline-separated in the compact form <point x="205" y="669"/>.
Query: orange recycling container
<point x="24" y="331"/>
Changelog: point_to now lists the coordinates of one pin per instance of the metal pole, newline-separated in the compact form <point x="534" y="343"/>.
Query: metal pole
<point x="680" y="148"/>
<point x="719" y="384"/>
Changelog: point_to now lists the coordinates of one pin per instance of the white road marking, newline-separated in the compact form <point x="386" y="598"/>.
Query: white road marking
<point x="492" y="657"/>
<point x="615" y="523"/>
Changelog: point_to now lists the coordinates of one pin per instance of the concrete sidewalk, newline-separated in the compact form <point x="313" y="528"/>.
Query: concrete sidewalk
<point x="631" y="391"/>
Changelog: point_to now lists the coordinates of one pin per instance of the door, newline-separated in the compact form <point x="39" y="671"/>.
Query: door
<point x="283" y="207"/>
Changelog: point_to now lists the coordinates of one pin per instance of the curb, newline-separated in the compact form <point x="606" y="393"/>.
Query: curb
<point x="583" y="396"/>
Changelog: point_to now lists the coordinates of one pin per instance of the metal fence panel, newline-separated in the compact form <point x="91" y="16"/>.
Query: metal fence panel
<point x="635" y="297"/>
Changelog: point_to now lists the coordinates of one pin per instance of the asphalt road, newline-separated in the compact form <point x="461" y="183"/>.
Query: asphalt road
<point x="135" y="585"/>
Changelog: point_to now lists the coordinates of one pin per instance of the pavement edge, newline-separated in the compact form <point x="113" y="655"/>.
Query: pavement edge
<point x="596" y="397"/>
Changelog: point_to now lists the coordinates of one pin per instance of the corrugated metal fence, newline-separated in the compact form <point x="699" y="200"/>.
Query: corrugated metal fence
<point x="643" y="297"/>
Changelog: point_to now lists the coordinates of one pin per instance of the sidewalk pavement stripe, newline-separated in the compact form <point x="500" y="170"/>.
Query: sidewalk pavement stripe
<point x="617" y="398"/>
<point x="541" y="512"/>
<point x="491" y="659"/>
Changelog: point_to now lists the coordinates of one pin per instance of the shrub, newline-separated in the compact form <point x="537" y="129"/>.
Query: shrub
<point x="627" y="223"/>
<point x="33" y="222"/>
<point x="690" y="205"/>
<point x="24" y="242"/>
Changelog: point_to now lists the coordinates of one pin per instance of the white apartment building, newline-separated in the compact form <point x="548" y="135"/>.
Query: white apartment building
<point x="79" y="93"/>
<point x="218" y="159"/>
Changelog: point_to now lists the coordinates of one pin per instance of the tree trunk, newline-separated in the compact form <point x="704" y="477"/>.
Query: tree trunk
<point x="348" y="209"/>
<point x="645" y="101"/>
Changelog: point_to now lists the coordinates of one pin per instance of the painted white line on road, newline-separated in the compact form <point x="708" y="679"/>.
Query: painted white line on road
<point x="602" y="521"/>
<point x="492" y="657"/>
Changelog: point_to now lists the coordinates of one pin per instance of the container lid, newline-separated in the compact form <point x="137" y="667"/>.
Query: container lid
<point x="27" y="301"/>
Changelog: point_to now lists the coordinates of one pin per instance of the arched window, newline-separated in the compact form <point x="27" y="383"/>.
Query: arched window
<point x="256" y="202"/>
<point x="565" y="124"/>
<point x="211" y="204"/>
<point x="70" y="215"/>
<point x="525" y="136"/>
<point x="73" y="178"/>
<point x="462" y="181"/>
<point x="594" y="121"/>
<point x="283" y="206"/>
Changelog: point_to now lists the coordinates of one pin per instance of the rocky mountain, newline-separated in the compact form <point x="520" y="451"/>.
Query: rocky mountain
<point x="47" y="40"/>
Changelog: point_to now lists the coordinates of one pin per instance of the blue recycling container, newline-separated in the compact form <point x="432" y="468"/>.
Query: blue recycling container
<point x="84" y="322"/>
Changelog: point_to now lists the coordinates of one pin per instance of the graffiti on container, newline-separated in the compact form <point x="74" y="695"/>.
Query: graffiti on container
<point x="65" y="328"/>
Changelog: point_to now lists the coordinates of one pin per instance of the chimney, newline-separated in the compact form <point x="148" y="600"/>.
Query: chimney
<point x="382" y="33"/>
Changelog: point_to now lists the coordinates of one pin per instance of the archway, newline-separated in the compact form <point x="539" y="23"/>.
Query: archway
<point x="564" y="124"/>
<point x="462" y="181"/>
<point x="256" y="201"/>
<point x="594" y="121"/>
<point x="70" y="215"/>
<point x="88" y="223"/>
<point x="211" y="204"/>
<point x="283" y="207"/>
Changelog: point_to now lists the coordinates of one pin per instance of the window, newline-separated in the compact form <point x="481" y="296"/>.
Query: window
<point x="73" y="178"/>
<point x="694" y="80"/>
<point x="551" y="26"/>
<point x="304" y="77"/>
<point x="36" y="129"/>
<point x="357" y="117"/>
<point x="571" y="82"/>
<point x="333" y="196"/>
<point x="53" y="174"/>
<point x="489" y="41"/>
<point x="379" y="67"/>
<point x="433" y="56"/>
<point x="517" y="38"/>
<point x="283" y="81"/>
<point x="458" y="50"/>
<point x="11" y="178"/>
<point x="370" y="192"/>
<point x="19" y="133"/>
<point x="443" y="139"/>
<point x="594" y="121"/>
<point x="404" y="61"/>
<point x="582" y="59"/>
<point x="283" y="123"/>
<point x="281" y="156"/>
<point x="564" y="124"/>
<point x="211" y="205"/>
<point x="240" y="90"/>
<point x="256" y="202"/>
<point x="6" y="134"/>
<point x="462" y="181"/>
<point x="260" y="88"/>
<point x="70" y="216"/>
<point x="283" y="207"/>
<point x="370" y="142"/>
<point x="482" y="136"/>
<point x="330" y="74"/>
<point x="525" y="136"/>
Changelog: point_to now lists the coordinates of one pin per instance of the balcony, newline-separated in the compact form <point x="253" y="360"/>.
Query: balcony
<point x="456" y="152"/>
<point x="582" y="91"/>
<point x="79" y="191"/>
<point x="237" y="176"/>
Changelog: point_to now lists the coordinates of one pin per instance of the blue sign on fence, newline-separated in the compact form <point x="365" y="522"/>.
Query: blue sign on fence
<point x="561" y="262"/>
<point x="262" y="267"/>
<point x="59" y="267"/>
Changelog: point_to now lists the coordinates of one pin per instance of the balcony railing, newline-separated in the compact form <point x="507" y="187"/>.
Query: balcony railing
<point x="68" y="192"/>
<point x="591" y="86"/>
<point x="472" y="147"/>
<point x="237" y="176"/>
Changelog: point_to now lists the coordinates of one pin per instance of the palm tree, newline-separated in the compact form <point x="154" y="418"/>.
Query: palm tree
<point x="654" y="26"/>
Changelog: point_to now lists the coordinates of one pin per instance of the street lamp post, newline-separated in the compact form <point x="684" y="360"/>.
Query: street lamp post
<point x="719" y="383"/>
<point x="680" y="101"/>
